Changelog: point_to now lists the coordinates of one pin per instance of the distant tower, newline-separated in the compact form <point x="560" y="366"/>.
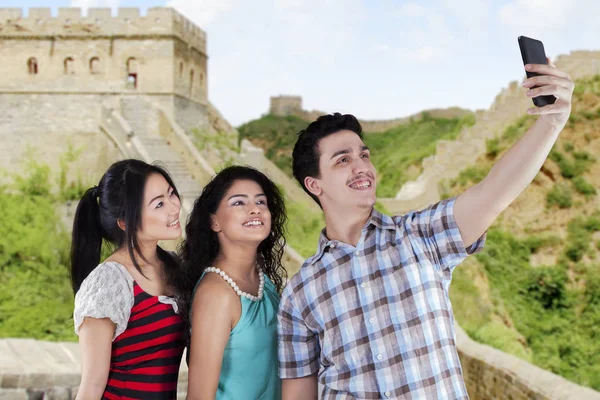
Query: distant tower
<point x="285" y="105"/>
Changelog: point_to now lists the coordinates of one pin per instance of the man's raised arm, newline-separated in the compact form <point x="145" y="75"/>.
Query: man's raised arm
<point x="477" y="208"/>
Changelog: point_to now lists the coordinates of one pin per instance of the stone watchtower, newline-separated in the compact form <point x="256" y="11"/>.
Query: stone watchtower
<point x="59" y="72"/>
<point x="285" y="105"/>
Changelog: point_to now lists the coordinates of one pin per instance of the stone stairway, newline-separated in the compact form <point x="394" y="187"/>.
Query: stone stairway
<point x="143" y="120"/>
<point x="158" y="150"/>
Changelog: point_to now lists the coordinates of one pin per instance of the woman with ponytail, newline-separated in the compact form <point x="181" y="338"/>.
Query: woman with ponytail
<point x="126" y="313"/>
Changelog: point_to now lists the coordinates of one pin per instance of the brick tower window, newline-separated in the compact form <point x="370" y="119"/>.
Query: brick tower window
<point x="191" y="82"/>
<point x="181" y="69"/>
<point x="132" y="73"/>
<point x="201" y="79"/>
<point x="69" y="66"/>
<point x="95" y="65"/>
<point x="32" y="66"/>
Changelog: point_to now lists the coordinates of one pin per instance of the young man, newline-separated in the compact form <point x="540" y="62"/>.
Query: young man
<point x="370" y="312"/>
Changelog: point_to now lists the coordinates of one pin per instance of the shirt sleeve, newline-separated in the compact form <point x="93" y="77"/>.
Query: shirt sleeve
<point x="105" y="293"/>
<point x="436" y="234"/>
<point x="298" y="346"/>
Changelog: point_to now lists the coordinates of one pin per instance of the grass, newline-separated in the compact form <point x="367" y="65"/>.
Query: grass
<point x="304" y="228"/>
<point x="560" y="195"/>
<point x="395" y="151"/>
<point x="545" y="306"/>
<point x="276" y="135"/>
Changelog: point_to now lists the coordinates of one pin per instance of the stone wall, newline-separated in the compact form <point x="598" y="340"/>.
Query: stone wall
<point x="47" y="124"/>
<point x="145" y="56"/>
<point x="377" y="126"/>
<point x="190" y="114"/>
<point x="292" y="105"/>
<point x="492" y="374"/>
<point x="162" y="52"/>
<point x="30" y="369"/>
<point x="158" y="22"/>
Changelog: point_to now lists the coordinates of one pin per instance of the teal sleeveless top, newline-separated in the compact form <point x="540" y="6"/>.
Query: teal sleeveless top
<point x="250" y="363"/>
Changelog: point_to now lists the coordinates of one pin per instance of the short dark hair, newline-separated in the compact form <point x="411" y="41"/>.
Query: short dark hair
<point x="305" y="157"/>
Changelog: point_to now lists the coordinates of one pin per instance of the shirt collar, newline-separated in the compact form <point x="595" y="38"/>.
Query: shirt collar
<point x="377" y="219"/>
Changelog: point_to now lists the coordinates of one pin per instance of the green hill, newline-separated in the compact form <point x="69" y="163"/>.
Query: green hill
<point x="276" y="136"/>
<point x="535" y="290"/>
<point x="397" y="153"/>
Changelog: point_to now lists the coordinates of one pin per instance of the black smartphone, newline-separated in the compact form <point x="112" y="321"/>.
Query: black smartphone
<point x="532" y="52"/>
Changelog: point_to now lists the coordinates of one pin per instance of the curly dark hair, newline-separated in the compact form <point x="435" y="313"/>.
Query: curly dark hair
<point x="201" y="246"/>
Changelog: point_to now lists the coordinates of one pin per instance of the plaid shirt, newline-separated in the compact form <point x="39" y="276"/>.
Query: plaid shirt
<point x="375" y="320"/>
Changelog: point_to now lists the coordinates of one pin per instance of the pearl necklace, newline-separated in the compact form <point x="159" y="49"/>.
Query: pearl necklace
<point x="235" y="287"/>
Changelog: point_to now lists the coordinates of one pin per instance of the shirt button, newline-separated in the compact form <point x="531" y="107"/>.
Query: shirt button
<point x="357" y="253"/>
<point x="379" y="357"/>
<point x="371" y="320"/>
<point x="388" y="394"/>
<point x="332" y="245"/>
<point x="363" y="285"/>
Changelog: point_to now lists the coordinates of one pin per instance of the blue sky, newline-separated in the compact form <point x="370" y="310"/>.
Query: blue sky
<point x="373" y="58"/>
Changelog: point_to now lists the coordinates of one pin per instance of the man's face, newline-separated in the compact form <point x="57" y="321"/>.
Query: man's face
<point x="347" y="176"/>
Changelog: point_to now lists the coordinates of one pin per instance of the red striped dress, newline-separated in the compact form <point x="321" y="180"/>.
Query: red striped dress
<point x="145" y="358"/>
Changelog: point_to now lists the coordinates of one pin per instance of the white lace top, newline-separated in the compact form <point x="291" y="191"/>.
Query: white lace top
<point x="107" y="292"/>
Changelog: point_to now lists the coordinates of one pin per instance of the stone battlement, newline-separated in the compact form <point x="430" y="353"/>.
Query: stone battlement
<point x="99" y="22"/>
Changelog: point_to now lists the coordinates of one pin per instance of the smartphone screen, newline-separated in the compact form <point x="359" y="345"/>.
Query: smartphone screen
<point x="532" y="52"/>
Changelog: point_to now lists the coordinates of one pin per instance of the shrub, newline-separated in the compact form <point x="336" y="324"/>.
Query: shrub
<point x="584" y="187"/>
<point x="36" y="300"/>
<point x="470" y="175"/>
<point x="560" y="195"/>
<point x="547" y="285"/>
<point x="568" y="147"/>
<point x="493" y="148"/>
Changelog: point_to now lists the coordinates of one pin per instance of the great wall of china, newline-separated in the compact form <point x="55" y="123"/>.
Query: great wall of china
<point x="135" y="86"/>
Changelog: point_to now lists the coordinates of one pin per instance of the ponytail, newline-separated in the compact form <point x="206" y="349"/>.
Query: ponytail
<point x="118" y="197"/>
<point x="86" y="241"/>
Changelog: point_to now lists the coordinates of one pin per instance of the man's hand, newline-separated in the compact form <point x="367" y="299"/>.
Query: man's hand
<point x="555" y="82"/>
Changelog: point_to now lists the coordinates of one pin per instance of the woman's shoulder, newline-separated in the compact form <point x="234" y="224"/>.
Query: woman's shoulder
<point x="212" y="287"/>
<point x="109" y="272"/>
<point x="107" y="292"/>
<point x="214" y="300"/>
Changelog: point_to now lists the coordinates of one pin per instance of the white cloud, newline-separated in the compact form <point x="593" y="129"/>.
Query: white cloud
<point x="534" y="14"/>
<point x="423" y="54"/>
<point x="411" y="10"/>
<point x="561" y="25"/>
<point x="473" y="15"/>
